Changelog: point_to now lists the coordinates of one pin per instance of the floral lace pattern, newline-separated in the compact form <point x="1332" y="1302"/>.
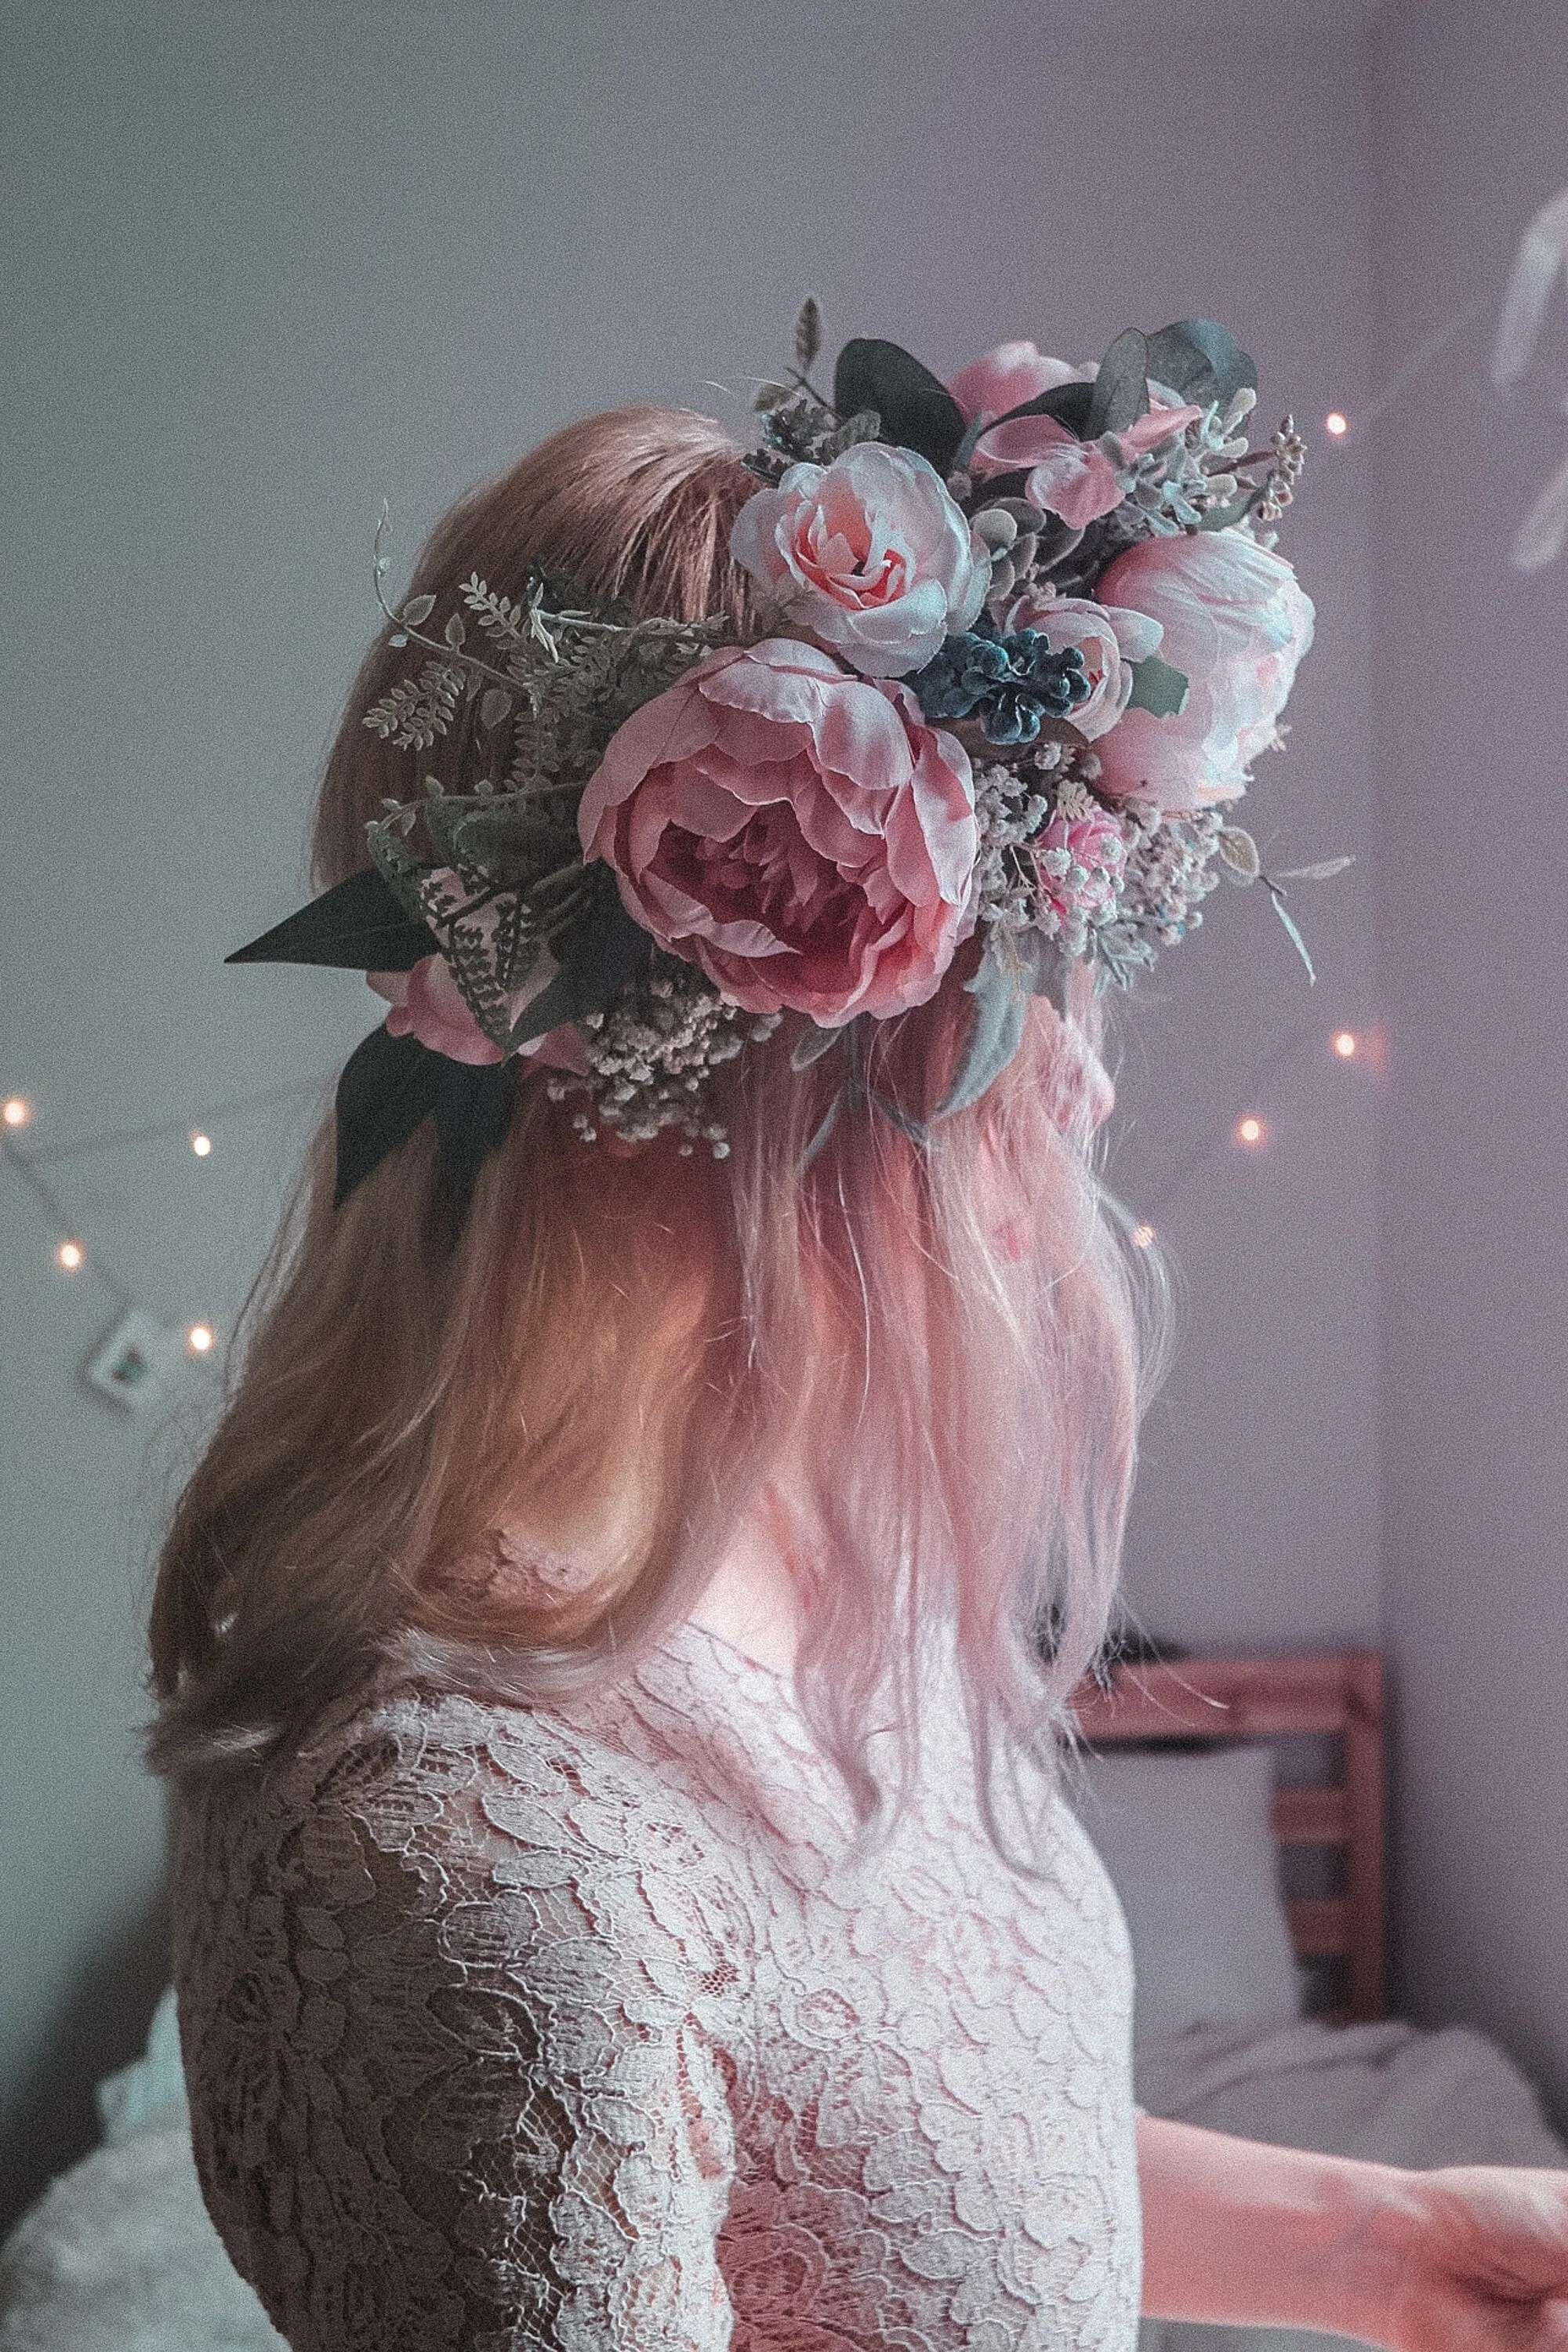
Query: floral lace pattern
<point x="587" y="2029"/>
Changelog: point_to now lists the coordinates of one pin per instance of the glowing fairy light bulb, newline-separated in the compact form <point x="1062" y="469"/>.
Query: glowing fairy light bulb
<point x="201" y="1144"/>
<point x="1250" y="1131"/>
<point x="199" y="1338"/>
<point x="1347" y="1044"/>
<point x="1337" y="423"/>
<point x="69" y="1255"/>
<point x="17" y="1110"/>
<point x="1142" y="1236"/>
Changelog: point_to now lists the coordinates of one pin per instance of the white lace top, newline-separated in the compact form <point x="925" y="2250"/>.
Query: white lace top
<point x="585" y="2030"/>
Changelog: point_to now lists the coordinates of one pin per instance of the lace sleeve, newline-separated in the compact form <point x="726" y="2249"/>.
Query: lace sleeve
<point x="484" y="2103"/>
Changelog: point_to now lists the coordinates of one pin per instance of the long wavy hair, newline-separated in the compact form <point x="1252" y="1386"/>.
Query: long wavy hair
<point x="508" y="1456"/>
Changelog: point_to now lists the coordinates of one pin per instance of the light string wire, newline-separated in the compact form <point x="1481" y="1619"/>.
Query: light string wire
<point x="28" y="1165"/>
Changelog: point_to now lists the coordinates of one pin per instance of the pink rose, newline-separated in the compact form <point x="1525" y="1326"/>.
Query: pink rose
<point x="1238" y="624"/>
<point x="870" y="553"/>
<point x="1007" y="377"/>
<point x="428" y="1004"/>
<point x="1110" y="637"/>
<point x="1078" y="480"/>
<point x="802" y="835"/>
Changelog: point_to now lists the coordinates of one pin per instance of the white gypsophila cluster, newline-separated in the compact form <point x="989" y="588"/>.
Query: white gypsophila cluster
<point x="651" y="1054"/>
<point x="1170" y="867"/>
<point x="1007" y="817"/>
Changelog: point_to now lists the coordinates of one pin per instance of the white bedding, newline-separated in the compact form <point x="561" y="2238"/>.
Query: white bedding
<point x="118" y="2254"/>
<point x="1387" y="2092"/>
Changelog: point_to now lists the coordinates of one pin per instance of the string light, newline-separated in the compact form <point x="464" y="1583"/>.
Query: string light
<point x="201" y="1144"/>
<point x="69" y="1255"/>
<point x="199" y="1338"/>
<point x="1337" y="423"/>
<point x="1142" y="1236"/>
<point x="1347" y="1044"/>
<point x="17" y="1110"/>
<point x="1250" y="1131"/>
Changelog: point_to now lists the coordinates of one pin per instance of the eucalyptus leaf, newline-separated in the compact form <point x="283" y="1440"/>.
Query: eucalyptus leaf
<point x="1239" y="852"/>
<point x="1201" y="361"/>
<point x="917" y="410"/>
<point x="455" y="631"/>
<point x="994" y="1035"/>
<point x="418" y="609"/>
<point x="358" y="926"/>
<point x="1121" y="390"/>
<point x="1158" y="687"/>
<point x="495" y="707"/>
<point x="1324" y="871"/>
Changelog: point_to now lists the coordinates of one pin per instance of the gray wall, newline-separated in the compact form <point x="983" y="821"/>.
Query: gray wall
<point x="265" y="265"/>
<point x="1473" y="858"/>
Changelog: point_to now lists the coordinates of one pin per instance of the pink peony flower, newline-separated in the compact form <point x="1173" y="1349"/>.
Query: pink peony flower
<point x="870" y="553"/>
<point x="1078" y="480"/>
<point x="802" y="835"/>
<point x="1110" y="637"/>
<point x="428" y="1004"/>
<point x="1236" y="621"/>
<point x="1007" y="377"/>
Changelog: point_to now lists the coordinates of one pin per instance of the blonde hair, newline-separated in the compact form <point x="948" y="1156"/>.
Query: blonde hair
<point x="428" y="1433"/>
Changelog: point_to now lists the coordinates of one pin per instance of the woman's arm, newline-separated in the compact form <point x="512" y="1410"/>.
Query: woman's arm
<point x="1465" y="2260"/>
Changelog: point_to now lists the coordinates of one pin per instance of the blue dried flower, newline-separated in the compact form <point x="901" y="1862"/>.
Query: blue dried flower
<point x="1013" y="682"/>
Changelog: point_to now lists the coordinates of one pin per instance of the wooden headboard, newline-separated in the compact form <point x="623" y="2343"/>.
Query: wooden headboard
<point x="1262" y="1698"/>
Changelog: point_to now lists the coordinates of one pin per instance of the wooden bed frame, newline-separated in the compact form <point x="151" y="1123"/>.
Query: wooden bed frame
<point x="1264" y="1698"/>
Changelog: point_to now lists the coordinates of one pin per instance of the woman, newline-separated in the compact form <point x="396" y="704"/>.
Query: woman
<point x="609" y="1649"/>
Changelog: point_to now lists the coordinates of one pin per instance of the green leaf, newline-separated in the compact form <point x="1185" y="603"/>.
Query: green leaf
<point x="995" y="1033"/>
<point x="811" y="1046"/>
<point x="474" y="1104"/>
<point x="359" y="925"/>
<point x="418" y="609"/>
<point x="1070" y="403"/>
<point x="1291" y="927"/>
<point x="604" y="952"/>
<point x="1159" y="686"/>
<point x="387" y="1090"/>
<point x="1121" y="390"/>
<point x="1201" y="361"/>
<point x="1226" y="517"/>
<point x="917" y="410"/>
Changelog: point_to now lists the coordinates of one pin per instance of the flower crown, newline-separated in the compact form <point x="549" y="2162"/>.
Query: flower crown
<point x="1029" y="640"/>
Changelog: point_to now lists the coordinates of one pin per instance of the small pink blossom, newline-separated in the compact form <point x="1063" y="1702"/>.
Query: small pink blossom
<point x="1078" y="480"/>
<point x="1236" y="621"/>
<point x="801" y="833"/>
<point x="1110" y="639"/>
<point x="428" y="1004"/>
<point x="870" y="554"/>
<point x="1081" y="863"/>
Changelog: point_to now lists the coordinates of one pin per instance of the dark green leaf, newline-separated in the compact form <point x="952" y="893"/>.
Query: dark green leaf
<point x="599" y="956"/>
<point x="1159" y="686"/>
<point x="807" y="333"/>
<point x="418" y="609"/>
<point x="1043" y="967"/>
<point x="1200" y="359"/>
<point x="1070" y="403"/>
<point x="387" y="1090"/>
<point x="828" y="1122"/>
<point x="474" y="1104"/>
<point x="917" y="410"/>
<point x="995" y="1032"/>
<point x="1121" y="390"/>
<point x="359" y="925"/>
<point x="1225" y="518"/>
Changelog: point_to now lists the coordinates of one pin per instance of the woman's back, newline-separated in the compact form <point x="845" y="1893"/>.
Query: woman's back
<point x="586" y="2028"/>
